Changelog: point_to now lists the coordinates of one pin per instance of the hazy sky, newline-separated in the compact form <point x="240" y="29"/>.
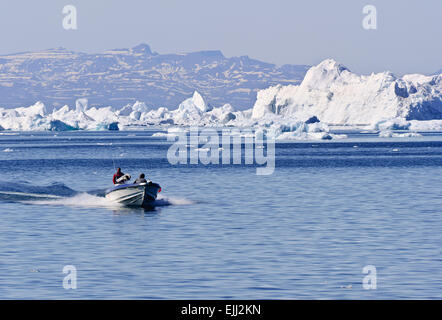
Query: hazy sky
<point x="407" y="39"/>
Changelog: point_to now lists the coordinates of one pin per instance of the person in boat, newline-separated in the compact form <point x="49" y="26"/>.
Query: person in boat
<point x="120" y="177"/>
<point x="141" y="179"/>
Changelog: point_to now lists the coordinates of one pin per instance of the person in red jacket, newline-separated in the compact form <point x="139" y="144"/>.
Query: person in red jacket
<point x="118" y="175"/>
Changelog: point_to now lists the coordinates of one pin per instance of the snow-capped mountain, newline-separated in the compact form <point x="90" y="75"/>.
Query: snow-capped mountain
<point x="121" y="76"/>
<point x="335" y="95"/>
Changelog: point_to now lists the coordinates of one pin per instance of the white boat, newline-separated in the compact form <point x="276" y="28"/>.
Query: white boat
<point x="134" y="194"/>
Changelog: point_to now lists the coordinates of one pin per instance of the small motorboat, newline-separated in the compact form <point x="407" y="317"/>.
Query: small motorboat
<point x="134" y="194"/>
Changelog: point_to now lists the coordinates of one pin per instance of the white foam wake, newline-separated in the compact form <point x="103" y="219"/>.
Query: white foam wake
<point x="80" y="200"/>
<point x="176" y="201"/>
<point x="27" y="194"/>
<point x="92" y="201"/>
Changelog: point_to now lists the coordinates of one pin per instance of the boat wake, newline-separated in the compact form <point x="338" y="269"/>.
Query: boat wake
<point x="58" y="194"/>
<point x="175" y="201"/>
<point x="82" y="199"/>
<point x="13" y="191"/>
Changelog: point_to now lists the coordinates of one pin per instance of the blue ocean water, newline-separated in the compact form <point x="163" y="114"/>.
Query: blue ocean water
<point x="221" y="231"/>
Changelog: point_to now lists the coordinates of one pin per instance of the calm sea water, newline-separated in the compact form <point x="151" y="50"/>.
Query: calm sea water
<point x="307" y="231"/>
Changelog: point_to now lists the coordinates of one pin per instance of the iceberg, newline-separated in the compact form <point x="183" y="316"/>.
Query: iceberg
<point x="38" y="109"/>
<point x="134" y="111"/>
<point x="392" y="124"/>
<point x="107" y="126"/>
<point x="57" y="125"/>
<point x="411" y="125"/>
<point x="335" y="95"/>
<point x="37" y="118"/>
<point x="430" y="125"/>
<point x="391" y="134"/>
<point x="295" y="130"/>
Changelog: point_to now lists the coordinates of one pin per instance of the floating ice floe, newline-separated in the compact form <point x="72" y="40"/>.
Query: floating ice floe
<point x="164" y="135"/>
<point x="386" y="127"/>
<point x="430" y="125"/>
<point x="391" y="134"/>
<point x="295" y="130"/>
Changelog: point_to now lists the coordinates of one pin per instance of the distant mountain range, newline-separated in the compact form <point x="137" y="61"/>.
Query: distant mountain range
<point x="117" y="77"/>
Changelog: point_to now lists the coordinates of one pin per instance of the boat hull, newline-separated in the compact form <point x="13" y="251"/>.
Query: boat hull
<point x="134" y="195"/>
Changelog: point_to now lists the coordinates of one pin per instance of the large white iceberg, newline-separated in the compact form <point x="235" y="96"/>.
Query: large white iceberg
<point x="337" y="96"/>
<point x="36" y="117"/>
<point x="193" y="111"/>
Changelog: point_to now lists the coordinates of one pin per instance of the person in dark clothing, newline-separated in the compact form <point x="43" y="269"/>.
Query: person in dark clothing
<point x="141" y="179"/>
<point x="119" y="175"/>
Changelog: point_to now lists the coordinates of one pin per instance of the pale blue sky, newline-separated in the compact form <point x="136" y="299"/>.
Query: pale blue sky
<point x="408" y="38"/>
